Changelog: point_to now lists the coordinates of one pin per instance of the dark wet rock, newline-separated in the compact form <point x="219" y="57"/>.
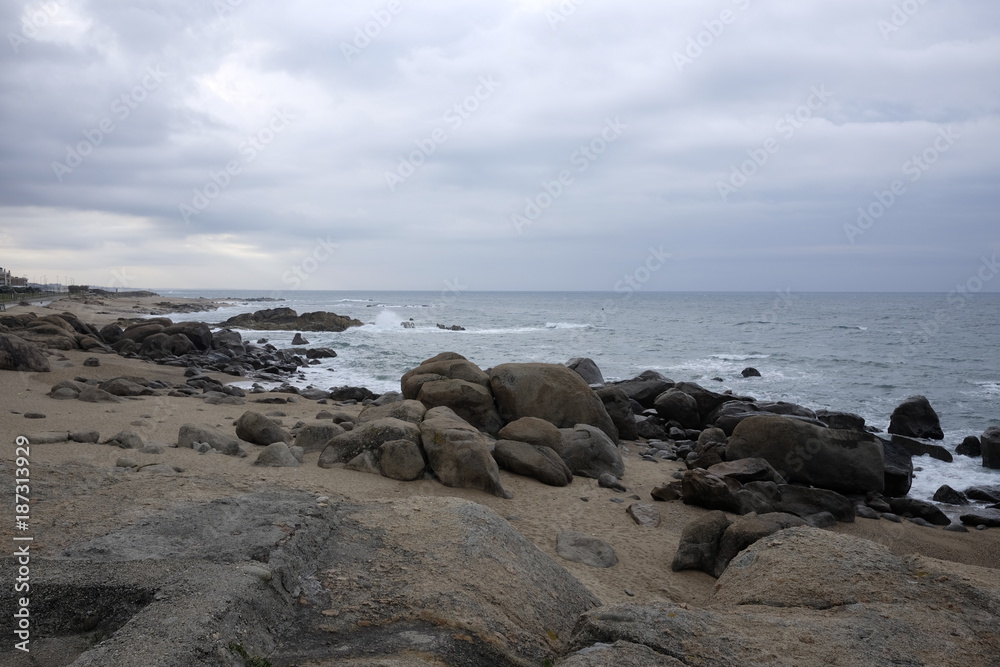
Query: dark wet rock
<point x="911" y="507"/>
<point x="865" y="512"/>
<point x="917" y="448"/>
<point x="750" y="372"/>
<point x="982" y="517"/>
<point x="297" y="339"/>
<point x="587" y="369"/>
<point x="915" y="418"/>
<point x="898" y="468"/>
<point x="619" y="408"/>
<point x="747" y="470"/>
<point x="666" y="492"/>
<point x="97" y="395"/>
<point x="92" y="362"/>
<point x="16" y="354"/>
<point x="990" y="444"/>
<point x="747" y="530"/>
<point x="675" y="405"/>
<point x="845" y="461"/>
<point x="699" y="543"/>
<point x="729" y="414"/>
<point x="645" y="388"/>
<point x="580" y="548"/>
<point x="541" y="463"/>
<point x="286" y="319"/>
<point x="946" y="494"/>
<point x="986" y="494"/>
<point x="970" y="446"/>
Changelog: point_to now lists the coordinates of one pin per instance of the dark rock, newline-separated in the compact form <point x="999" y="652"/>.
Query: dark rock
<point x="589" y="452"/>
<point x="911" y="507"/>
<point x="644" y="515"/>
<point x="915" y="418"/>
<point x="699" y="543"/>
<point x="986" y="494"/>
<point x="123" y="386"/>
<point x="366" y="461"/>
<point x="111" y="333"/>
<point x="946" y="494"/>
<point x="587" y="369"/>
<point x="970" y="446"/>
<point x="458" y="453"/>
<point x="845" y="461"/>
<point x="91" y="437"/>
<point x="445" y="366"/>
<point x="917" y="448"/>
<point x="216" y="439"/>
<point x="675" y="405"/>
<point x="313" y="437"/>
<point x="619" y="408"/>
<point x="747" y="470"/>
<point x="534" y="431"/>
<point x="651" y="428"/>
<point x="920" y="521"/>
<point x="820" y="520"/>
<point x="580" y="548"/>
<point x="161" y="345"/>
<point x="990" y="443"/>
<point x="645" y="388"/>
<point x="260" y="430"/>
<point x="956" y="528"/>
<point x="402" y="460"/>
<point x="750" y="372"/>
<point x="97" y="395"/>
<point x="865" y="512"/>
<point x="320" y="353"/>
<point x="551" y="392"/>
<point x="197" y="332"/>
<point x="351" y="394"/>
<point x="34" y="415"/>
<point x="667" y="492"/>
<point x="804" y="501"/>
<point x="700" y="488"/>
<point x="707" y="400"/>
<point x="16" y="354"/>
<point x="541" y="463"/>
<point x="299" y="340"/>
<point x="126" y="440"/>
<point x="609" y="481"/>
<point x="277" y="455"/>
<point x="92" y="362"/>
<point x="898" y="468"/>
<point x="981" y="517"/>
<point x="729" y="414"/>
<point x="286" y="319"/>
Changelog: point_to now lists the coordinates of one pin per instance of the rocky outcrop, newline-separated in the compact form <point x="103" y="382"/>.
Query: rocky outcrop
<point x="286" y="319"/>
<point x="367" y="437"/>
<point x="644" y="388"/>
<point x="16" y="354"/>
<point x="915" y="418"/>
<point x="619" y="408"/>
<point x="458" y="454"/>
<point x="587" y="369"/>
<point x="675" y="405"/>
<point x="472" y="402"/>
<point x="845" y="461"/>
<point x="551" y="392"/>
<point x="589" y="452"/>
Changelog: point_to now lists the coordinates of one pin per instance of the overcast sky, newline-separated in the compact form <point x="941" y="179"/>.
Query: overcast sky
<point x="502" y="144"/>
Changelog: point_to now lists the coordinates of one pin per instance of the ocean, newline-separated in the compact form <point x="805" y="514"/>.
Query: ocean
<point x="861" y="352"/>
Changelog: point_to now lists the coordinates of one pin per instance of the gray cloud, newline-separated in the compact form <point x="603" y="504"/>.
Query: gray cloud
<point x="720" y="157"/>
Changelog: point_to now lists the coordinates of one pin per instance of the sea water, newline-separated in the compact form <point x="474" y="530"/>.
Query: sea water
<point x="860" y="353"/>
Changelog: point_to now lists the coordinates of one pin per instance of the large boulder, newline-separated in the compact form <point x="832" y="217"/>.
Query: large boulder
<point x="898" y="468"/>
<point x="472" y="402"/>
<point x="260" y="430"/>
<point x="644" y="388"/>
<point x="706" y="399"/>
<point x="675" y="405"/>
<point x="189" y="434"/>
<point x="402" y="460"/>
<point x="699" y="543"/>
<point x="534" y="431"/>
<point x="445" y="366"/>
<point x="459" y="454"/>
<point x="589" y="452"/>
<point x="551" y="392"/>
<point x="989" y="444"/>
<point x="408" y="411"/>
<point x="140" y="331"/>
<point x="915" y="418"/>
<point x="918" y="448"/>
<point x="587" y="369"/>
<point x="313" y="436"/>
<point x="367" y="437"/>
<point x="541" y="463"/>
<point x="16" y="354"/>
<point x="161" y="345"/>
<point x="746" y="530"/>
<point x="619" y="408"/>
<point x="197" y="332"/>
<point x="286" y="319"/>
<point x="845" y="461"/>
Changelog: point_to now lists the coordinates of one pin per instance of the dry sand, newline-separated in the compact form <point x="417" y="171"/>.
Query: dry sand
<point x="77" y="492"/>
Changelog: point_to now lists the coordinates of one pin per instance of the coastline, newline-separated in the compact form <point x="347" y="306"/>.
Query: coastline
<point x="82" y="494"/>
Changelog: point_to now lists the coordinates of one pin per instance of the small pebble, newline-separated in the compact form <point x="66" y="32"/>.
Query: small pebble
<point x="629" y="593"/>
<point x="34" y="415"/>
<point x="981" y="527"/>
<point x="586" y="500"/>
<point x="616" y="500"/>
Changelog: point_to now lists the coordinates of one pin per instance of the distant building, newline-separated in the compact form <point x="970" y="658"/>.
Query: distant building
<point x="5" y="279"/>
<point x="18" y="282"/>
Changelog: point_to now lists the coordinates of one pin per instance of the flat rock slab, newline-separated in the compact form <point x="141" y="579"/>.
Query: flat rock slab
<point x="580" y="548"/>
<point x="644" y="515"/>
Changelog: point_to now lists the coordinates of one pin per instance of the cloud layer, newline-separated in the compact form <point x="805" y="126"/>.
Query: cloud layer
<point x="520" y="144"/>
